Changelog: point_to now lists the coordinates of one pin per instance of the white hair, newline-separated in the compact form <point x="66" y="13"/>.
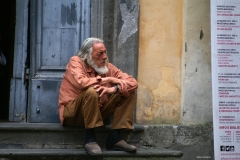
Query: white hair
<point x="86" y="48"/>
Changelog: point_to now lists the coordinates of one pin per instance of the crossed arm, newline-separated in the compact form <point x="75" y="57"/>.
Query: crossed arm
<point x="80" y="78"/>
<point x="106" y="90"/>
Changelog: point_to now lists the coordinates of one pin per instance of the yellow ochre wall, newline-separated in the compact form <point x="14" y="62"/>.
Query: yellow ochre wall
<point x="159" y="62"/>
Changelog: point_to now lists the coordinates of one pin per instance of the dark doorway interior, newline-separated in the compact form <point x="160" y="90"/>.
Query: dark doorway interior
<point x="7" y="32"/>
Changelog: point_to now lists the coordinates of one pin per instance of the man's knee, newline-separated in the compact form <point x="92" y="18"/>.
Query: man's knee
<point x="132" y="95"/>
<point x="92" y="92"/>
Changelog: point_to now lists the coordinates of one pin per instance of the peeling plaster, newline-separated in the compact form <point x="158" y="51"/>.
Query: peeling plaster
<point x="130" y="25"/>
<point x="162" y="104"/>
<point x="159" y="63"/>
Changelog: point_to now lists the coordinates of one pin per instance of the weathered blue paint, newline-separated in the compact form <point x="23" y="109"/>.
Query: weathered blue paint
<point x="57" y="29"/>
<point x="68" y="15"/>
<point x="59" y="26"/>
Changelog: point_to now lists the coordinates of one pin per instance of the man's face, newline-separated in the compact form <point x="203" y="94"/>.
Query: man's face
<point x="99" y="55"/>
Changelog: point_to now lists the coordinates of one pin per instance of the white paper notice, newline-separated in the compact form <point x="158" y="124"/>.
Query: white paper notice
<point x="225" y="50"/>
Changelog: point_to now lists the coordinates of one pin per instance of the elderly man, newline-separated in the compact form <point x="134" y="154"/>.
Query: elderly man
<point x="93" y="89"/>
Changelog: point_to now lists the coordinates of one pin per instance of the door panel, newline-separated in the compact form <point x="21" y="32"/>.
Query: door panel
<point x="44" y="96"/>
<point x="66" y="33"/>
<point x="51" y="47"/>
<point x="56" y="27"/>
<point x="51" y="13"/>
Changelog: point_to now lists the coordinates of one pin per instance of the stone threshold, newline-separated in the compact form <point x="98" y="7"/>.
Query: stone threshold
<point x="81" y="152"/>
<point x="14" y="126"/>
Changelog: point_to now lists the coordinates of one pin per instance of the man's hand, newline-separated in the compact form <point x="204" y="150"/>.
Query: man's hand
<point x="104" y="90"/>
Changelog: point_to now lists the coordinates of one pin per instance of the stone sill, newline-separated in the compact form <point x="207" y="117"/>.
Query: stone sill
<point x="13" y="126"/>
<point x="76" y="152"/>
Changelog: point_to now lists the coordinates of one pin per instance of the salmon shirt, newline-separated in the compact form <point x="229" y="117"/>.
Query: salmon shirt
<point x="79" y="76"/>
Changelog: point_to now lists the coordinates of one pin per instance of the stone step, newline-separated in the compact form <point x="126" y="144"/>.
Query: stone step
<point x="14" y="126"/>
<point x="51" y="135"/>
<point x="75" y="154"/>
<point x="54" y="141"/>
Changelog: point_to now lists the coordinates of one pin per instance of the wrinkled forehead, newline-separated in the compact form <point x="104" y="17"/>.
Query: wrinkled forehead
<point x="99" y="46"/>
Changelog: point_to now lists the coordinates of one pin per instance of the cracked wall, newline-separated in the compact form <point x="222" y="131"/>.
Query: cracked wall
<point x="159" y="62"/>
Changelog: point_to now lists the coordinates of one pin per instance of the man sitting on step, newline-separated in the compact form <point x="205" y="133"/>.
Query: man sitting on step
<point x="93" y="89"/>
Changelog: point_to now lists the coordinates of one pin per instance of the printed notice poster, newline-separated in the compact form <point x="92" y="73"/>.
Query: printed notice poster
<point x="225" y="54"/>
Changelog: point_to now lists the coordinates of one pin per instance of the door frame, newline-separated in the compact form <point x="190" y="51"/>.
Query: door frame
<point x="18" y="90"/>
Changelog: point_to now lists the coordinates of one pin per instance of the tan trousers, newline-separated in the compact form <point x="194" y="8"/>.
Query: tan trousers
<point x="85" y="110"/>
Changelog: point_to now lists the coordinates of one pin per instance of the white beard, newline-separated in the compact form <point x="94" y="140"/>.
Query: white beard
<point x="99" y="70"/>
